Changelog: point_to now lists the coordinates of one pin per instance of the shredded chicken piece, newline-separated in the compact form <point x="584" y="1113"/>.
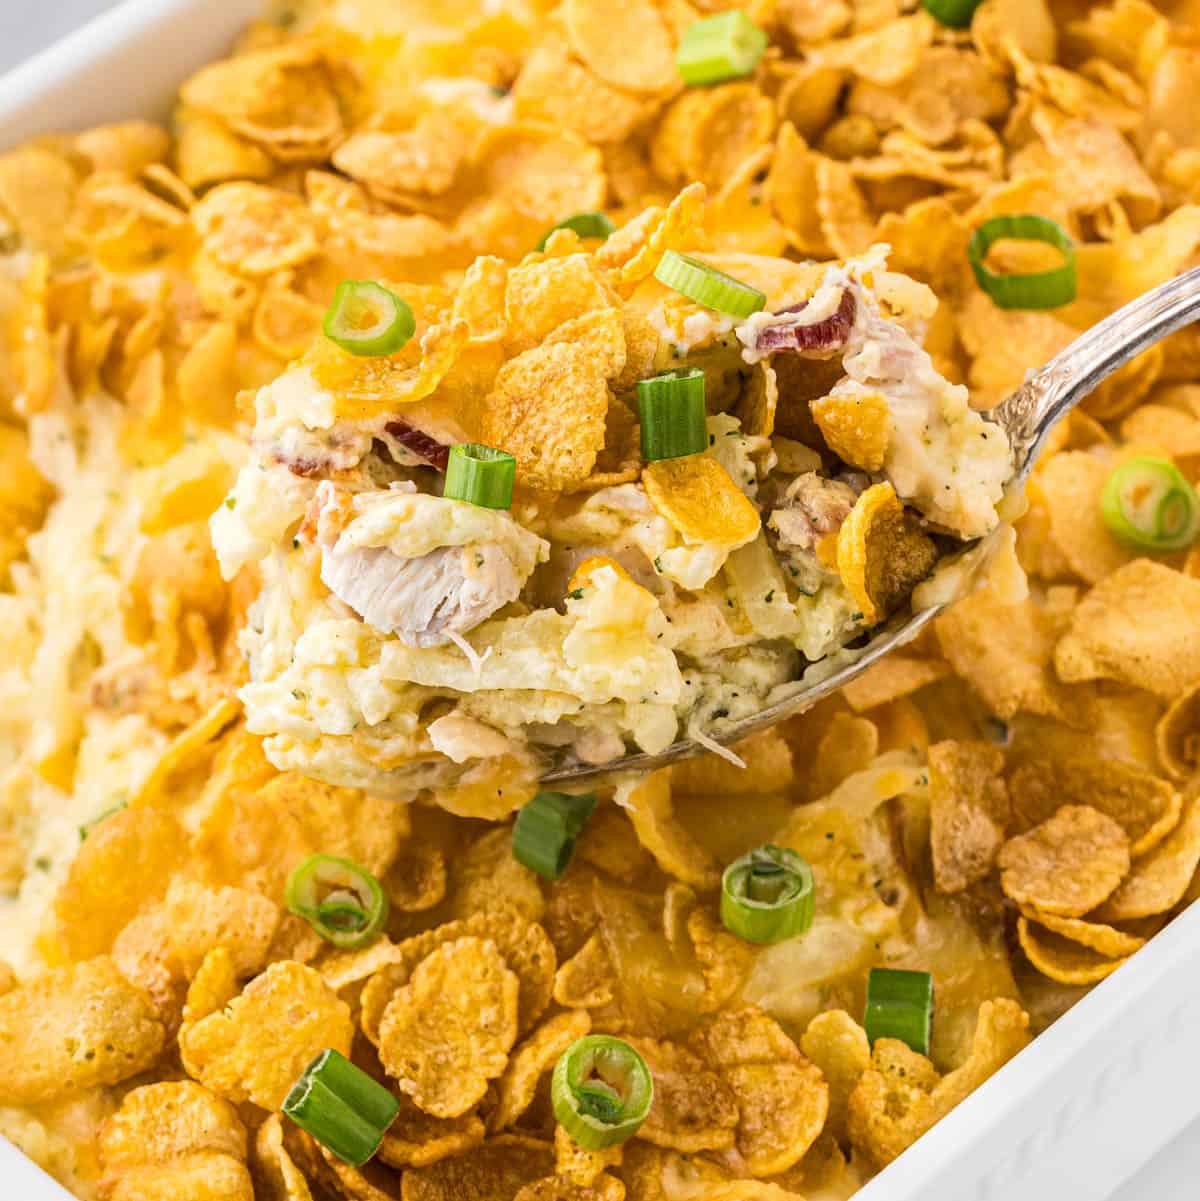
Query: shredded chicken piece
<point x="813" y="506"/>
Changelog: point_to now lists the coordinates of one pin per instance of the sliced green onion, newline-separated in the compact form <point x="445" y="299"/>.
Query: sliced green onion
<point x="1037" y="290"/>
<point x="367" y="319"/>
<point x="341" y="1107"/>
<point x="955" y="13"/>
<point x="88" y="827"/>
<point x="480" y="475"/>
<point x="727" y="46"/>
<point x="602" y="1091"/>
<point x="339" y="898"/>
<point x="767" y="895"/>
<point x="674" y="420"/>
<point x="707" y="286"/>
<point x="543" y="838"/>
<point x="900" y="1005"/>
<point x="1148" y="504"/>
<point x="586" y="225"/>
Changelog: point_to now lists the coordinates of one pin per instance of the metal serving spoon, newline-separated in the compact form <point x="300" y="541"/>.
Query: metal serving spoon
<point x="1028" y="415"/>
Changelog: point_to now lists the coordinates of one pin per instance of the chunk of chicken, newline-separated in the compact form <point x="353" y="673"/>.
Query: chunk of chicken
<point x="426" y="600"/>
<point x="813" y="507"/>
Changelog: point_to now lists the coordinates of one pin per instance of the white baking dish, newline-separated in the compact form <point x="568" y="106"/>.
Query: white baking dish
<point x="1070" y="1119"/>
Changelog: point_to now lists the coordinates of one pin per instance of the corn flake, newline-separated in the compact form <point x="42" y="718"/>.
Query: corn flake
<point x="856" y="427"/>
<point x="839" y="1047"/>
<point x="416" y="1138"/>
<point x="769" y="768"/>
<point x="72" y="1029"/>
<point x="1140" y="625"/>
<point x="969" y="810"/>
<point x="1177" y="735"/>
<point x="275" y="1169"/>
<point x="1067" y="865"/>
<point x="694" y="1108"/>
<point x="1103" y="939"/>
<point x="629" y="47"/>
<point x="449" y="1030"/>
<point x="255" y="230"/>
<point x="289" y="1010"/>
<point x="891" y="679"/>
<point x="648" y="803"/>
<point x="585" y="980"/>
<point x="542" y="296"/>
<point x="1160" y="878"/>
<point x="496" y="1170"/>
<point x="782" y="1098"/>
<point x="1146" y="807"/>
<point x="1063" y="959"/>
<point x="201" y="918"/>
<point x="530" y="1061"/>
<point x="882" y="554"/>
<point x="123" y="867"/>
<point x="701" y="501"/>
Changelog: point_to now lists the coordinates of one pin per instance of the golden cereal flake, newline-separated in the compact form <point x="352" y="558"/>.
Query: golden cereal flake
<point x="415" y="1138"/>
<point x="1140" y="626"/>
<point x="1160" y="878"/>
<point x="531" y="1060"/>
<point x="856" y="427"/>
<point x="839" y="1047"/>
<point x="258" y="1046"/>
<point x="449" y="1030"/>
<point x="255" y="230"/>
<point x="199" y="918"/>
<point x="1063" y="959"/>
<point x="75" y="1028"/>
<point x="882" y="554"/>
<point x="494" y="1171"/>
<point x="276" y="1171"/>
<point x="629" y="46"/>
<point x="701" y="501"/>
<point x="968" y="804"/>
<point x="1103" y="939"/>
<point x="1067" y="865"/>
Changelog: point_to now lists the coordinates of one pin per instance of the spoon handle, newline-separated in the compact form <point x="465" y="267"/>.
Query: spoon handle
<point x="1048" y="395"/>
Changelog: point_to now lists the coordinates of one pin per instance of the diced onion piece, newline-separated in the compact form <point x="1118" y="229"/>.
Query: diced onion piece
<point x="340" y="899"/>
<point x="768" y="895"/>
<point x="727" y="46"/>
<point x="480" y="475"/>
<point x="1038" y="289"/>
<point x="601" y="1091"/>
<point x="1149" y="505"/>
<point x="673" y="417"/>
<point x="341" y="1107"/>
<point x="544" y="835"/>
<point x="586" y="225"/>
<point x="900" y="1005"/>
<point x="707" y="286"/>
<point x="956" y="14"/>
<point x="367" y="319"/>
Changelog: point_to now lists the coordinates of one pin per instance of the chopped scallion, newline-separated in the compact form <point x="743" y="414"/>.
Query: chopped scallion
<point x="673" y="416"/>
<point x="367" y="319"/>
<point x="727" y="46"/>
<point x="341" y="1107"/>
<point x="957" y="14"/>
<point x="900" y="1005"/>
<point x="707" y="286"/>
<point x="601" y="1091"/>
<point x="480" y="475"/>
<point x="1149" y="505"/>
<point x="767" y="895"/>
<point x="586" y="225"/>
<point x="1038" y="289"/>
<point x="340" y="899"/>
<point x="543" y="838"/>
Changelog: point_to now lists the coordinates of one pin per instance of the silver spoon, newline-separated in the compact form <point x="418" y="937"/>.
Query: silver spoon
<point x="1028" y="415"/>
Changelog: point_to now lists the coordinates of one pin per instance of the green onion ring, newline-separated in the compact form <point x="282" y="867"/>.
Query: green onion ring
<point x="353" y="909"/>
<point x="543" y="838"/>
<point x="480" y="475"/>
<point x="673" y="417"/>
<point x="346" y="1111"/>
<point x="900" y="1005"/>
<point x="601" y="1091"/>
<point x="1037" y="290"/>
<point x="368" y="320"/>
<point x="727" y="46"/>
<point x="1149" y="505"/>
<point x="586" y="225"/>
<point x="957" y="14"/>
<point x="707" y="286"/>
<point x="767" y="895"/>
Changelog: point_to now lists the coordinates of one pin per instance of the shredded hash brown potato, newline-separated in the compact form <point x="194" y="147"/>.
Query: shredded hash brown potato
<point x="242" y="626"/>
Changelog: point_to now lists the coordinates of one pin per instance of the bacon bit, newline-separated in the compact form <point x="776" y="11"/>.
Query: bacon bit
<point x="818" y="340"/>
<point x="303" y="467"/>
<point x="430" y="449"/>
